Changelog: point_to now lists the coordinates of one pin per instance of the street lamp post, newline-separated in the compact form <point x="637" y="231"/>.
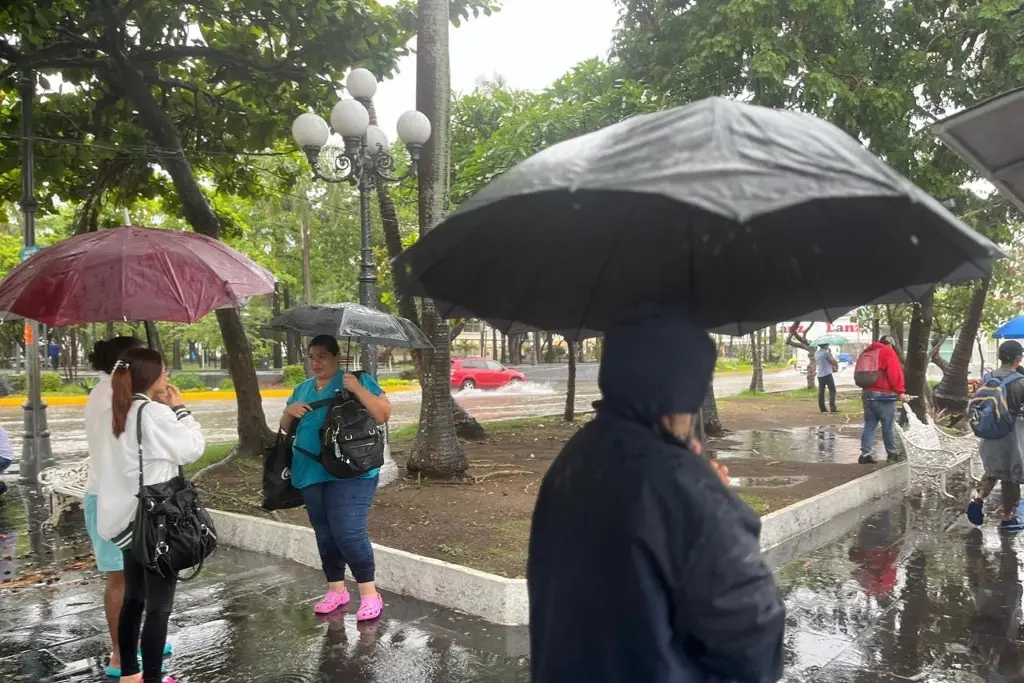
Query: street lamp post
<point x="35" y="449"/>
<point x="364" y="162"/>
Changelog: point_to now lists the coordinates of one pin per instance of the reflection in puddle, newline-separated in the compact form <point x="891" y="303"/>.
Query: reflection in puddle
<point x="827" y="443"/>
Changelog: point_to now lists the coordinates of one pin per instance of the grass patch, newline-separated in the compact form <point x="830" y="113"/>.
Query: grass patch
<point x="391" y="382"/>
<point x="402" y="437"/>
<point x="758" y="504"/>
<point x="215" y="452"/>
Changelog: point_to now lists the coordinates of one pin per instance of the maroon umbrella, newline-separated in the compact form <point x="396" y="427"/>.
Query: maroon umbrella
<point x="131" y="274"/>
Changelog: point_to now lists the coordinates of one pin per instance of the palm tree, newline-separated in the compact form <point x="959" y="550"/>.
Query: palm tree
<point x="437" y="451"/>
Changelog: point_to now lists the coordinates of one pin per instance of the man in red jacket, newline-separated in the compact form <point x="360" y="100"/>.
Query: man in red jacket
<point x="880" y="397"/>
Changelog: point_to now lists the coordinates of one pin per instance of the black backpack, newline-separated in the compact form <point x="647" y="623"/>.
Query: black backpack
<point x="351" y="441"/>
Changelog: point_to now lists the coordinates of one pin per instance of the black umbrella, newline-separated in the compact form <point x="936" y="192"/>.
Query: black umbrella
<point x="730" y="211"/>
<point x="351" y="322"/>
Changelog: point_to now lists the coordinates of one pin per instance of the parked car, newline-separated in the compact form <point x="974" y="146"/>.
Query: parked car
<point x="473" y="373"/>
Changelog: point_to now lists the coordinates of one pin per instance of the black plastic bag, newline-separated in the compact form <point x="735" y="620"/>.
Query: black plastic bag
<point x="278" y="492"/>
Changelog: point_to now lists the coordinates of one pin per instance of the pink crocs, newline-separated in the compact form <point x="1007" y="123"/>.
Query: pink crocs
<point x="370" y="608"/>
<point x="332" y="601"/>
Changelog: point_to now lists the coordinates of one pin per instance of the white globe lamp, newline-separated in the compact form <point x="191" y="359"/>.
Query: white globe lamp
<point x="349" y="119"/>
<point x="376" y="141"/>
<point x="361" y="84"/>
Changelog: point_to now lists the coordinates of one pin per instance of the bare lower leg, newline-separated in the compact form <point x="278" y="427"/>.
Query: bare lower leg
<point x="113" y="596"/>
<point x="336" y="586"/>
<point x="137" y="678"/>
<point x="367" y="590"/>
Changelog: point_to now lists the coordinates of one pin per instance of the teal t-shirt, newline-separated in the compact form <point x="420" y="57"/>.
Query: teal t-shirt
<point x="305" y="470"/>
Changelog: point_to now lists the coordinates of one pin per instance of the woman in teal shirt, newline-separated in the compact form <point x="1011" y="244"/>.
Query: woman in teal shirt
<point x="338" y="509"/>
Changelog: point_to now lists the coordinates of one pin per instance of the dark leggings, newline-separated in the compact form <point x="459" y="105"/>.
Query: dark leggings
<point x="146" y="592"/>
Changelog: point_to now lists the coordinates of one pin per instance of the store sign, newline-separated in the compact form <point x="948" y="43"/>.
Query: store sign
<point x="842" y="325"/>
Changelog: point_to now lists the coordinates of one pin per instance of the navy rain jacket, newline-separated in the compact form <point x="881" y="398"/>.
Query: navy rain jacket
<point x="642" y="565"/>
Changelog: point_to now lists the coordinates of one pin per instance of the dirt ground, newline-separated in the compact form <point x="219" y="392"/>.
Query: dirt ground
<point x="484" y="522"/>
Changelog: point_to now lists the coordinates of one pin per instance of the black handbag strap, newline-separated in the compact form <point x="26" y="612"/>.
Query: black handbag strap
<point x="315" y="405"/>
<point x="138" y="435"/>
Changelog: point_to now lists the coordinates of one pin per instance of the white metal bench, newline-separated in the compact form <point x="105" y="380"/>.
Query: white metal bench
<point x="65" y="485"/>
<point x="932" y="454"/>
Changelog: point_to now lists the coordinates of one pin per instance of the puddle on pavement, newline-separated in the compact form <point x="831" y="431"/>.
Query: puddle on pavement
<point x="829" y="443"/>
<point x="247" y="617"/>
<point x="32" y="553"/>
<point x="766" y="482"/>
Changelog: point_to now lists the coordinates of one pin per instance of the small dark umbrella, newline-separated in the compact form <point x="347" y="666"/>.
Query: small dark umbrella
<point x="131" y="274"/>
<point x="351" y="322"/>
<point x="730" y="211"/>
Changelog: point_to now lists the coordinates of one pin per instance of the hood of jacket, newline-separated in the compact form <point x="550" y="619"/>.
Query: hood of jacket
<point x="654" y="363"/>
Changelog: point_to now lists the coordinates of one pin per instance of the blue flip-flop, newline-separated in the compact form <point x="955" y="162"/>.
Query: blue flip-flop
<point x="115" y="672"/>
<point x="975" y="513"/>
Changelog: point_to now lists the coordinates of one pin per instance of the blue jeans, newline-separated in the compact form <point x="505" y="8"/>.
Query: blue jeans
<point x="338" y="511"/>
<point x="879" y="407"/>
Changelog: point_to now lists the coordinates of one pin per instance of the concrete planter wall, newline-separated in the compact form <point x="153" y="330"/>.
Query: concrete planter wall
<point x="504" y="601"/>
<point x="782" y="525"/>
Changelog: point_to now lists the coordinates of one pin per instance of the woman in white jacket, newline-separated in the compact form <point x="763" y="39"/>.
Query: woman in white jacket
<point x="102" y="448"/>
<point x="170" y="438"/>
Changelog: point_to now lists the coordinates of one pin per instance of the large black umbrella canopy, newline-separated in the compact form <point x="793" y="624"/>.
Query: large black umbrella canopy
<point x="351" y="322"/>
<point x="730" y="211"/>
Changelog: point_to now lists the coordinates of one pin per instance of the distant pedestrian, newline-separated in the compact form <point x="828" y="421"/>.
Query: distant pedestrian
<point x="53" y="350"/>
<point x="1001" y="397"/>
<point x="630" y="501"/>
<point x="879" y="374"/>
<point x="826" y="365"/>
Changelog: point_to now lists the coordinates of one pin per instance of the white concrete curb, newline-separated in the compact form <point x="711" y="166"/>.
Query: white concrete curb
<point x="504" y="601"/>
<point x="780" y="526"/>
<point x="494" y="598"/>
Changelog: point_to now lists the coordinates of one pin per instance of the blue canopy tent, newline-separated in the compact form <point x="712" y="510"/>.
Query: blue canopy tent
<point x="1013" y="329"/>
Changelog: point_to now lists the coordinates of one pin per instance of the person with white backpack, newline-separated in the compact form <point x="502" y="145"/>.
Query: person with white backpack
<point x="992" y="413"/>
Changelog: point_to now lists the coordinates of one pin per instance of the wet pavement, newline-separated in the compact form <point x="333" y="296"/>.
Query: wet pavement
<point x="901" y="590"/>
<point x="246" y="618"/>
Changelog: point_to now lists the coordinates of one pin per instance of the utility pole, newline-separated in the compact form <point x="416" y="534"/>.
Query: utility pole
<point x="35" y="450"/>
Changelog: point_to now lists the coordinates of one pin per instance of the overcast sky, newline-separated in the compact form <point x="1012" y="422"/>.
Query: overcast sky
<point x="529" y="42"/>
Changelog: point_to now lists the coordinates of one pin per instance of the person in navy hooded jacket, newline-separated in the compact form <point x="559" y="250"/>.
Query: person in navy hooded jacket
<point x="643" y="565"/>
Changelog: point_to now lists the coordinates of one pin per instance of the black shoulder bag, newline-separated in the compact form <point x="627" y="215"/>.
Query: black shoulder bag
<point x="172" y="532"/>
<point x="278" y="491"/>
<point x="351" y="441"/>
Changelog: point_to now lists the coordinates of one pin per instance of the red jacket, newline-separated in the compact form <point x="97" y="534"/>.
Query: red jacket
<point x="890" y="379"/>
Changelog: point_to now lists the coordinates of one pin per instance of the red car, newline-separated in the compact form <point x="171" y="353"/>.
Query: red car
<point x="472" y="373"/>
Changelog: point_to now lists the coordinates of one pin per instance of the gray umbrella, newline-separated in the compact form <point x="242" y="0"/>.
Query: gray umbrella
<point x="351" y="322"/>
<point x="729" y="211"/>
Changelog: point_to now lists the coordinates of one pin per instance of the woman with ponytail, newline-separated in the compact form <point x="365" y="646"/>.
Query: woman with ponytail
<point x="170" y="438"/>
<point x="102" y="448"/>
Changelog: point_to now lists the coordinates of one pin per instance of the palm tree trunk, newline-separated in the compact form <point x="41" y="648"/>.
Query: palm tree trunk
<point x="918" y="351"/>
<point x="437" y="451"/>
<point x="709" y="410"/>
<point x="570" y="389"/>
<point x="757" y="376"/>
<point x="466" y="426"/>
<point x="951" y="392"/>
